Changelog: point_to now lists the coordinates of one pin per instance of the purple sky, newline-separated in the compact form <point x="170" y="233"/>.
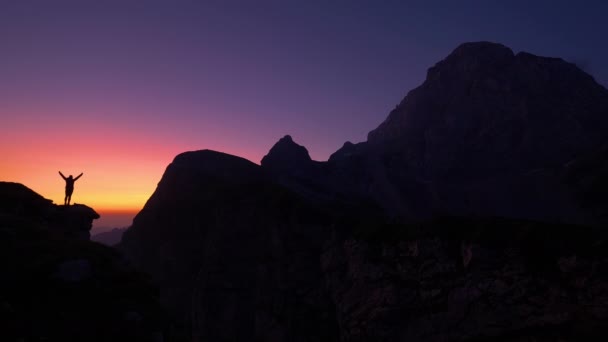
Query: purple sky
<point x="116" y="89"/>
<point x="323" y="71"/>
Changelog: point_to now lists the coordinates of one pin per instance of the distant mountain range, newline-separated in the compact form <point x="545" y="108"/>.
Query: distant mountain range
<point x="473" y="212"/>
<point x="109" y="238"/>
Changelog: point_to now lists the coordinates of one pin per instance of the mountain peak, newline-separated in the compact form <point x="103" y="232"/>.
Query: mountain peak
<point x="209" y="165"/>
<point x="482" y="109"/>
<point x="286" y="154"/>
<point x="482" y="47"/>
<point x="471" y="60"/>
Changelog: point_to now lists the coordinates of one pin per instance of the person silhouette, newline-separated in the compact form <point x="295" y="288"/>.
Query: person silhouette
<point x="69" y="187"/>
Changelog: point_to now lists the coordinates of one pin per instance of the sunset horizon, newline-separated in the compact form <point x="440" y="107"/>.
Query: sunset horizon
<point x="118" y="177"/>
<point x="119" y="102"/>
<point x="117" y="194"/>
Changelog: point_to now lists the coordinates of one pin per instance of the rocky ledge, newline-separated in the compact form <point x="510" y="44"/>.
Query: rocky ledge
<point x="21" y="203"/>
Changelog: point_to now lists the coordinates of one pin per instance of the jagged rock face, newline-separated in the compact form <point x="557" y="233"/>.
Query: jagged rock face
<point x="485" y="111"/>
<point x="487" y="134"/>
<point x="236" y="256"/>
<point x="468" y="280"/>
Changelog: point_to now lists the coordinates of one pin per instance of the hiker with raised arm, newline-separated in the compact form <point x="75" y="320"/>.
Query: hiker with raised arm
<point x="69" y="187"/>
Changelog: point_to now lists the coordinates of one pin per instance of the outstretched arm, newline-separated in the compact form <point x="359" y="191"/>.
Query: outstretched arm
<point x="80" y="175"/>
<point x="62" y="176"/>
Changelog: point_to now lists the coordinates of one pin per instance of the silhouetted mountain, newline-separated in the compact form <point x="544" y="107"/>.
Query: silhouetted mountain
<point x="234" y="253"/>
<point x="346" y="151"/>
<point x="290" y="165"/>
<point x="484" y="109"/>
<point x="58" y="286"/>
<point x="287" y="156"/>
<point x="487" y="133"/>
<point x="252" y="260"/>
<point x="109" y="238"/>
<point x="398" y="238"/>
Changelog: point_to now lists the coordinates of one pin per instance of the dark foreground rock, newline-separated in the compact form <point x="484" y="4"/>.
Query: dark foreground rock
<point x="470" y="280"/>
<point x="58" y="286"/>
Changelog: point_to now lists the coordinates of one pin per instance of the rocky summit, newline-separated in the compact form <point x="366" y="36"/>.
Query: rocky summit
<point x="484" y="110"/>
<point x="474" y="212"/>
<point x="287" y="155"/>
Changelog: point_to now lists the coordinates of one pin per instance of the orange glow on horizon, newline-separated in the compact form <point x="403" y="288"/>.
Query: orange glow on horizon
<point x="121" y="166"/>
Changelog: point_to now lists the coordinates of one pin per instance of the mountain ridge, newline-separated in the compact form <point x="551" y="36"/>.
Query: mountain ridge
<point x="467" y="215"/>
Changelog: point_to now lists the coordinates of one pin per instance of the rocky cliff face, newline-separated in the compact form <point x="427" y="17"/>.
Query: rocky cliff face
<point x="351" y="249"/>
<point x="470" y="280"/>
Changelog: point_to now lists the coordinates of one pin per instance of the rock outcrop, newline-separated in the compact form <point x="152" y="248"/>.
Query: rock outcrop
<point x="71" y="221"/>
<point x="58" y="286"/>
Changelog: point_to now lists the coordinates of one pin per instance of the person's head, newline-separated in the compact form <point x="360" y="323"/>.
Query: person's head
<point x="70" y="177"/>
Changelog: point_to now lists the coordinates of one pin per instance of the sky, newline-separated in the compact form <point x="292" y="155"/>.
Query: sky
<point x="116" y="89"/>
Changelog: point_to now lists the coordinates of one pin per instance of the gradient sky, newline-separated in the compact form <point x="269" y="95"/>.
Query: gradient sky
<point x="116" y="89"/>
